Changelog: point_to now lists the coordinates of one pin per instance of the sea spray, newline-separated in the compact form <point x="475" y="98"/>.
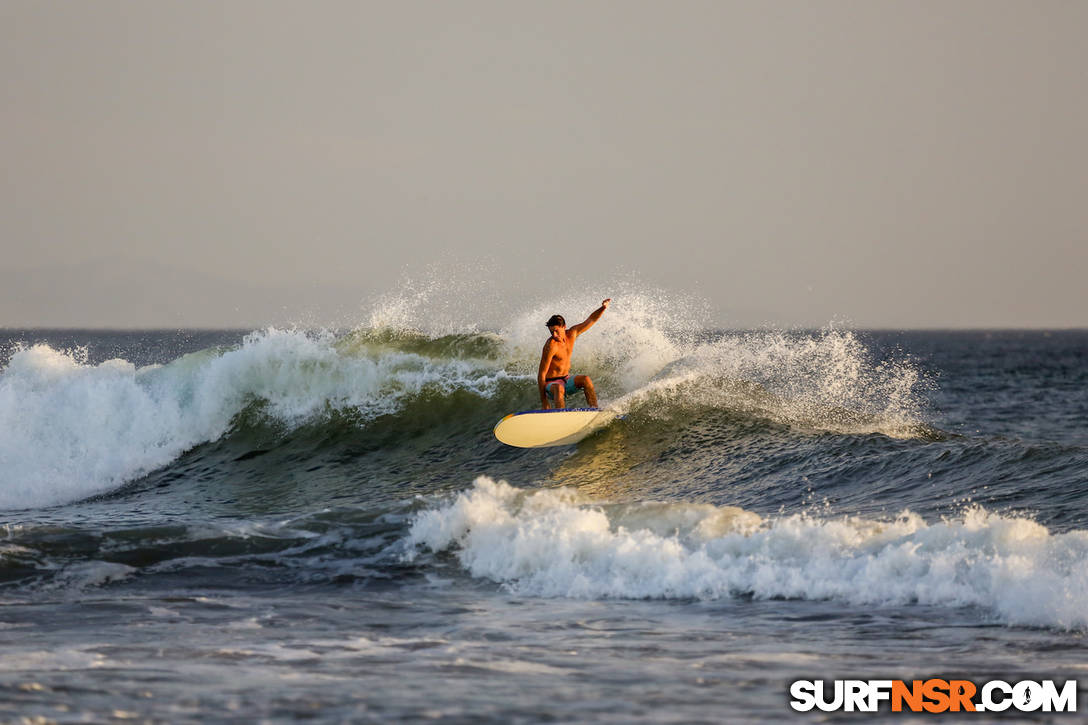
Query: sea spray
<point x="819" y="381"/>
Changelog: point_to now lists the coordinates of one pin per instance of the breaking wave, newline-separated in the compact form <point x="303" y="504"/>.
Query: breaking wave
<point x="556" y="543"/>
<point x="70" y="429"/>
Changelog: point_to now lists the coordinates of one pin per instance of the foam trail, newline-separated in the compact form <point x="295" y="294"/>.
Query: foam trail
<point x="552" y="543"/>
<point x="69" y="430"/>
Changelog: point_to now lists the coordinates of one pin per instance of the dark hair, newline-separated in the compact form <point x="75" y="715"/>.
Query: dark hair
<point x="556" y="320"/>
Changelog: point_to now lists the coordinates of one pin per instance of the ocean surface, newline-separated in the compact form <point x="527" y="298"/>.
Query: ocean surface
<point x="283" y="524"/>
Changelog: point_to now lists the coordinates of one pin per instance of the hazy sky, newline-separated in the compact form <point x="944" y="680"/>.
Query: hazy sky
<point x="890" y="164"/>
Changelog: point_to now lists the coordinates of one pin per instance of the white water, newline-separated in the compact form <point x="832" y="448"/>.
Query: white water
<point x="69" y="430"/>
<point x="553" y="543"/>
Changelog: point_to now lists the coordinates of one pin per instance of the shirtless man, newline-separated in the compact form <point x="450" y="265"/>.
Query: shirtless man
<point x="554" y="378"/>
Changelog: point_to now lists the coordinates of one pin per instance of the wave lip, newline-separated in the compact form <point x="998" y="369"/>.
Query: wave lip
<point x="550" y="543"/>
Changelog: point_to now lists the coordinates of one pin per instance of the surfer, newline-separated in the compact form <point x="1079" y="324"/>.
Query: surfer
<point x="554" y="378"/>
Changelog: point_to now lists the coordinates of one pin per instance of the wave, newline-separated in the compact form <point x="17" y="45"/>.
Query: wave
<point x="70" y="430"/>
<point x="556" y="543"/>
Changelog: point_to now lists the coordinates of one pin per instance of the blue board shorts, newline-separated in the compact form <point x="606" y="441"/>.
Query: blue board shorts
<point x="568" y="386"/>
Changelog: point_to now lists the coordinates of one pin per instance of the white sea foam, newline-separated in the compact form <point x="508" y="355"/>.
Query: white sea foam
<point x="70" y="430"/>
<point x="553" y="543"/>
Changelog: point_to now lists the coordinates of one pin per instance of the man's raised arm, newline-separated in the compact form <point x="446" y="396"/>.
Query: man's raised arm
<point x="591" y="320"/>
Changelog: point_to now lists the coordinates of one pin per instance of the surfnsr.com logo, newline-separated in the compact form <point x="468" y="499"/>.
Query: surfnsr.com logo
<point x="933" y="695"/>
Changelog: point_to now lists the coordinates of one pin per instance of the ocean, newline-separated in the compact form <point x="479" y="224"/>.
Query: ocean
<point x="282" y="524"/>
